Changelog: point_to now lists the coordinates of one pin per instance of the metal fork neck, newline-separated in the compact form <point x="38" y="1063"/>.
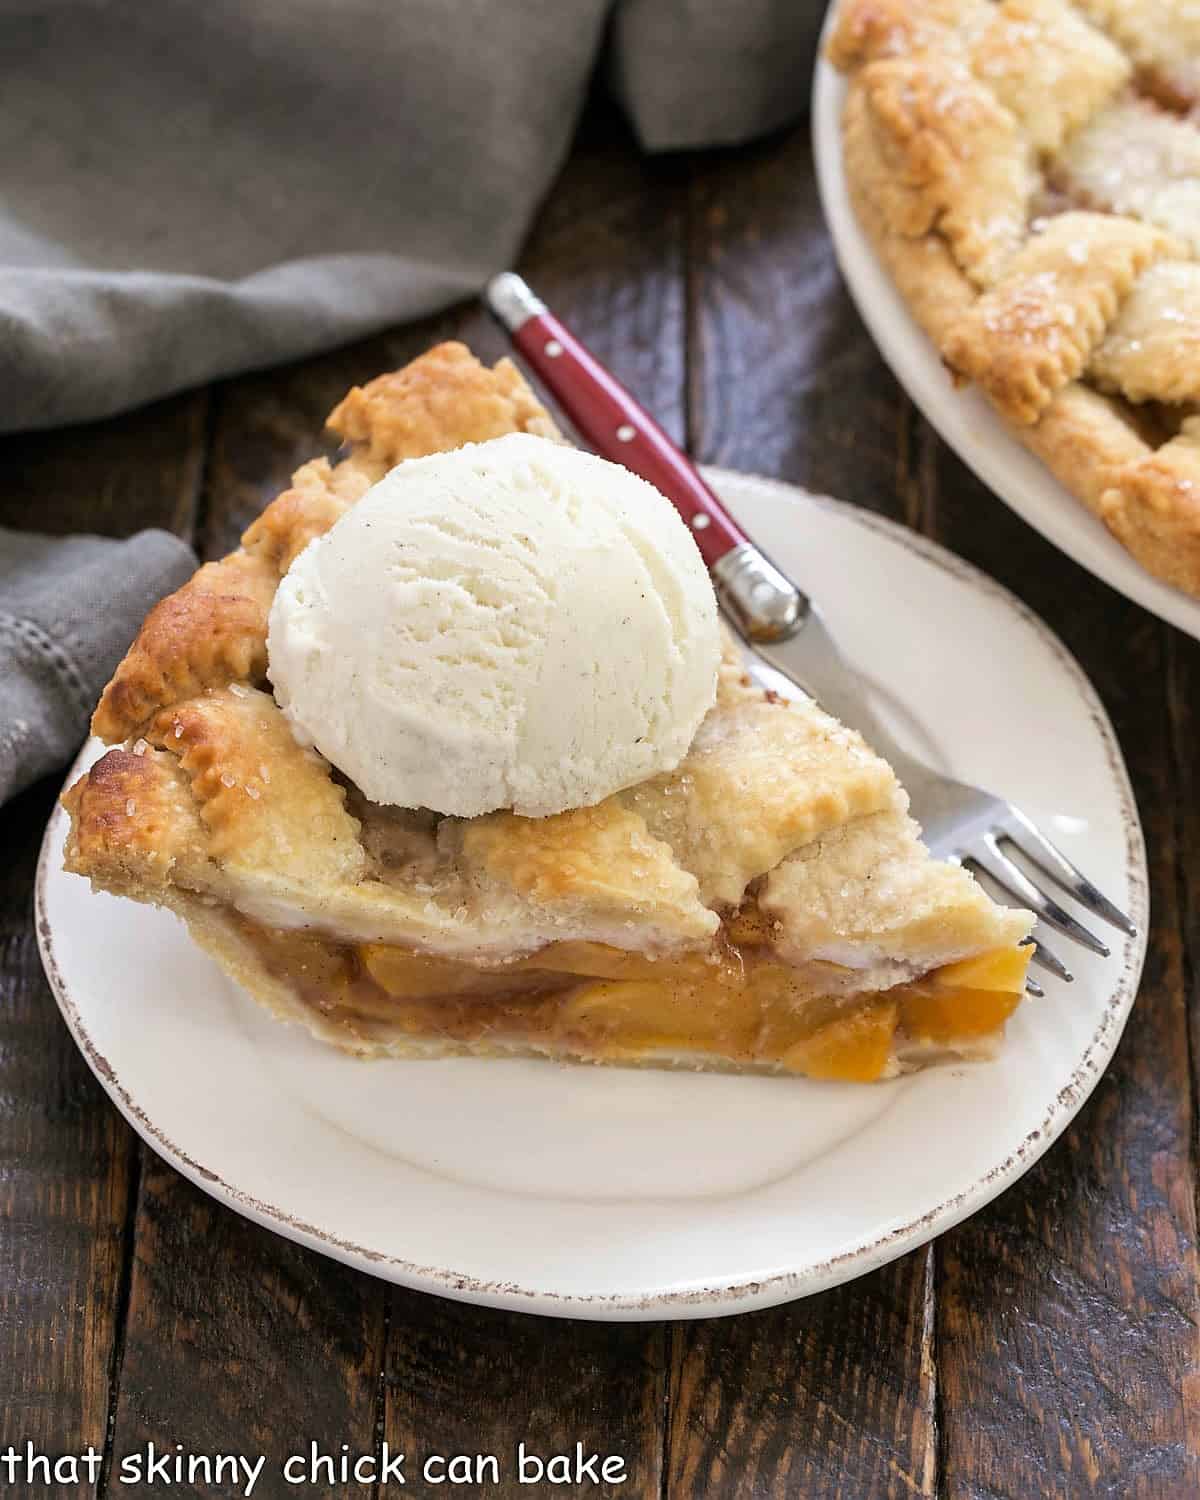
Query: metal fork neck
<point x="764" y="604"/>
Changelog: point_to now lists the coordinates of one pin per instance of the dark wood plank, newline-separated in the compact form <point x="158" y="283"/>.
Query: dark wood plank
<point x="607" y="254"/>
<point x="466" y="1380"/>
<point x="237" y="1341"/>
<point x="115" y="477"/>
<point x="1068" y="1309"/>
<point x="67" y="1161"/>
<point x="783" y="379"/>
<point x="1183" y="699"/>
<point x="833" y="1396"/>
<point x="1183" y="702"/>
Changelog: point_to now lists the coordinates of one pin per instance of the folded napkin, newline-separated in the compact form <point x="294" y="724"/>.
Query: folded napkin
<point x="195" y="189"/>
<point x="69" y="607"/>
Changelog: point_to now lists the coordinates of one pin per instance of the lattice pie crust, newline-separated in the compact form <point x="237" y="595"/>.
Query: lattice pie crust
<point x="1029" y="172"/>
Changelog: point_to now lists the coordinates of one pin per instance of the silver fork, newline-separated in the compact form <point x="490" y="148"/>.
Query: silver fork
<point x="959" y="822"/>
<point x="789" y="645"/>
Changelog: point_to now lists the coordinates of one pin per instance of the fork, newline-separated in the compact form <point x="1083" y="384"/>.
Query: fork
<point x="788" y="643"/>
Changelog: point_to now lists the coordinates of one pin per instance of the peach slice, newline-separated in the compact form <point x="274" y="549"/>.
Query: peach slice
<point x="854" y="1048"/>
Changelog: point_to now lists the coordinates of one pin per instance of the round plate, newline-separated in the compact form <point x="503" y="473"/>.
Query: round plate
<point x="964" y="417"/>
<point x="634" y="1193"/>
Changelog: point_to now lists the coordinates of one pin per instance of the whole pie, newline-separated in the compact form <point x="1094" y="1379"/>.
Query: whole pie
<point x="767" y="905"/>
<point x="1029" y="173"/>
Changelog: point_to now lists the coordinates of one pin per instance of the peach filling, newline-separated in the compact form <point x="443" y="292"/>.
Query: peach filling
<point x="589" y="1001"/>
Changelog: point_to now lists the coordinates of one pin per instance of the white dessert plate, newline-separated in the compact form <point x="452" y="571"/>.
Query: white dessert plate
<point x="610" y="1193"/>
<point x="964" y="417"/>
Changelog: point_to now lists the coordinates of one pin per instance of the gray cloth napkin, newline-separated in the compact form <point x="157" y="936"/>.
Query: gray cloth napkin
<point x="196" y="189"/>
<point x="68" y="609"/>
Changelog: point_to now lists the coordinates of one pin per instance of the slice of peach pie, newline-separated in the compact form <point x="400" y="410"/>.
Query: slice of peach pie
<point x="765" y="906"/>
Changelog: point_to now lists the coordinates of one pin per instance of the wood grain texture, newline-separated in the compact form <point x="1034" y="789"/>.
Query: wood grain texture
<point x="783" y="378"/>
<point x="463" y="1379"/>
<point x="1183" y="702"/>
<point x="608" y="254"/>
<point x="116" y="477"/>
<point x="237" y="1341"/>
<point x="66" y="1159"/>
<point x="68" y="1163"/>
<point x="1067" y="1311"/>
<point x="834" y="1396"/>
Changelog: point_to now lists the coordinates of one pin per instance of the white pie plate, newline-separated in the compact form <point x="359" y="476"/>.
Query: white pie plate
<point x="608" y="1193"/>
<point x="964" y="417"/>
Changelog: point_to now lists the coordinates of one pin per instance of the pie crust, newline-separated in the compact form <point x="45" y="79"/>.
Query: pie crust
<point x="1029" y="173"/>
<point x="766" y="905"/>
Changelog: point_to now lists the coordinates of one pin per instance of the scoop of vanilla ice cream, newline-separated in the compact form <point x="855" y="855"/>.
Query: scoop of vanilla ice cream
<point x="516" y="624"/>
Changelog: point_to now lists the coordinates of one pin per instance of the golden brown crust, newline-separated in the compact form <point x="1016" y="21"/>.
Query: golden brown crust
<point x="1043" y="62"/>
<point x="214" y="629"/>
<point x="802" y="772"/>
<point x="320" y="495"/>
<point x="1153" y="507"/>
<point x="1136" y="159"/>
<point x="1151" y="349"/>
<point x="1162" y="37"/>
<point x="1084" y="442"/>
<point x="953" y="113"/>
<point x="859" y="896"/>
<point x="929" y="278"/>
<point x="600" y="857"/>
<point x="225" y="804"/>
<point x="1034" y="330"/>
<point x="866" y="30"/>
<point x="269" y="805"/>
<point x="952" y="160"/>
<point x="134" y="824"/>
<point x="440" y="401"/>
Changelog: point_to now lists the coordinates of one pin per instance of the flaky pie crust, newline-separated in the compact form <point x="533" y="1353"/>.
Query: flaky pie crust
<point x="209" y="806"/>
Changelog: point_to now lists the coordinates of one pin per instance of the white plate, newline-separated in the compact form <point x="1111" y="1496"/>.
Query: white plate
<point x="603" y="1193"/>
<point x="964" y="417"/>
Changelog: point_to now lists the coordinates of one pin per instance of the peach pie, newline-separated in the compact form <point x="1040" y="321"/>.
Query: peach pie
<point x="766" y="905"/>
<point x="1029" y="172"/>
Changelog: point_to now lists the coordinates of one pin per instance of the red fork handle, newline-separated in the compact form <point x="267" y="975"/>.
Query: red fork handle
<point x="608" y="418"/>
<point x="766" y="605"/>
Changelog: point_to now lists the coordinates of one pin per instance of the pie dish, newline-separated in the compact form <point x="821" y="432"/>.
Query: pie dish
<point x="1027" y="173"/>
<point x="766" y="906"/>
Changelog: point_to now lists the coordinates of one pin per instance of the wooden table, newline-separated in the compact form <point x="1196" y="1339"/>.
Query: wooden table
<point x="1046" y="1347"/>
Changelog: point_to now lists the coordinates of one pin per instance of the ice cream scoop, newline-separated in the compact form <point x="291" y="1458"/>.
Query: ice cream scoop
<point x="516" y="624"/>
